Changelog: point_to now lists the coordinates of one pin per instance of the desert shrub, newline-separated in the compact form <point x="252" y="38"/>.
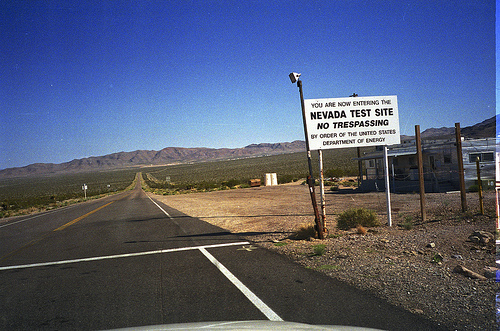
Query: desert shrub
<point x="357" y="216"/>
<point x="206" y="186"/>
<point x="319" y="249"/>
<point x="335" y="173"/>
<point x="283" y="179"/>
<point x="407" y="223"/>
<point x="349" y="183"/>
<point x="305" y="231"/>
<point x="231" y="182"/>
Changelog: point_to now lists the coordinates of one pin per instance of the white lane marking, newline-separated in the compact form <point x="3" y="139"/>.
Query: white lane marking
<point x="170" y="217"/>
<point x="99" y="258"/>
<point x="270" y="314"/>
<point x="256" y="301"/>
<point x="163" y="210"/>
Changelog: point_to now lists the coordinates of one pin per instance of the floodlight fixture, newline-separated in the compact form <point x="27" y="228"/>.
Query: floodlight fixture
<point x="294" y="77"/>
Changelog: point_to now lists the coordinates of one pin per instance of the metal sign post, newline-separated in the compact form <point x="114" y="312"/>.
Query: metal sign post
<point x="322" y="188"/>
<point x="84" y="188"/>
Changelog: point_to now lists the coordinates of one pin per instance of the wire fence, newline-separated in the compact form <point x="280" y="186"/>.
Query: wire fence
<point x="442" y="198"/>
<point x="435" y="181"/>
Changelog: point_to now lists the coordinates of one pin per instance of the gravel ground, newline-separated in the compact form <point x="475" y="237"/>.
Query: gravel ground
<point x="412" y="268"/>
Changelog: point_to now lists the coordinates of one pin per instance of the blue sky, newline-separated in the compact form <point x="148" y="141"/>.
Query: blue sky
<point x="90" y="78"/>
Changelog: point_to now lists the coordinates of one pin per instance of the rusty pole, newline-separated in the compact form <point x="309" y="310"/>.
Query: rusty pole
<point x="360" y="167"/>
<point x="420" y="172"/>
<point x="310" y="178"/>
<point x="460" y="167"/>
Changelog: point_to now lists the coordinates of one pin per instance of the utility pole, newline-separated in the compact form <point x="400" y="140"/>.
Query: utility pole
<point x="294" y="77"/>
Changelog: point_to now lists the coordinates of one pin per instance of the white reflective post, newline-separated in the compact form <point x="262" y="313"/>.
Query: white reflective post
<point x="322" y="188"/>
<point x="387" y="187"/>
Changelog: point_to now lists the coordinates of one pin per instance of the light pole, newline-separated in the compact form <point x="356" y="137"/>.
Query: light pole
<point x="295" y="77"/>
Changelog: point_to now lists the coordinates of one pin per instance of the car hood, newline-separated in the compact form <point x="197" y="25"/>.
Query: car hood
<point x="247" y="325"/>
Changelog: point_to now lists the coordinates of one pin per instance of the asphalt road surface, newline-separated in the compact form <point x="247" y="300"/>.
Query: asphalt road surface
<point x="126" y="260"/>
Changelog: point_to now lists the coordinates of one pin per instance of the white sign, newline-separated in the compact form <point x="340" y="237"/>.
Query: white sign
<point x="352" y="122"/>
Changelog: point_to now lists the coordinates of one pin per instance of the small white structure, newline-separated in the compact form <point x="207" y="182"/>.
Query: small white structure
<point x="271" y="179"/>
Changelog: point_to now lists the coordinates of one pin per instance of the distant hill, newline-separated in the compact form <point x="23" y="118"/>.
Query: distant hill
<point x="485" y="129"/>
<point x="175" y="155"/>
<point x="169" y="155"/>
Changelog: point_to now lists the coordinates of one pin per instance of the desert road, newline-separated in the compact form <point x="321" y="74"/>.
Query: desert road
<point x="127" y="260"/>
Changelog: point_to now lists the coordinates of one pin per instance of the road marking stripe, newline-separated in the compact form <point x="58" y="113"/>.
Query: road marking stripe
<point x="34" y="241"/>
<point x="99" y="258"/>
<point x="81" y="217"/>
<point x="157" y="205"/>
<point x="30" y="243"/>
<point x="270" y="314"/>
<point x="48" y="212"/>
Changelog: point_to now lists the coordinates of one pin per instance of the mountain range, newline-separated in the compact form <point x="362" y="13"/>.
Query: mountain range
<point x="485" y="129"/>
<point x="166" y="156"/>
<point x="176" y="155"/>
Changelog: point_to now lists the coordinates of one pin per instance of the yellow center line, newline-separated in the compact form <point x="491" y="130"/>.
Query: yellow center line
<point x="62" y="227"/>
<point x="34" y="241"/>
<point x="81" y="217"/>
<point x="31" y="243"/>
